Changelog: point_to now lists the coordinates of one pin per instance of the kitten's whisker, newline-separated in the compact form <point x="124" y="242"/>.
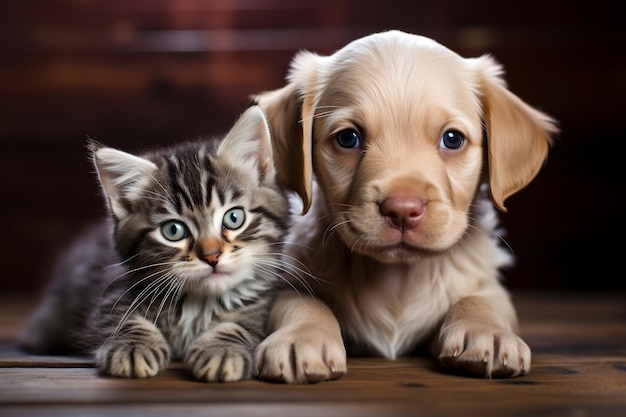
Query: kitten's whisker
<point x="281" y="243"/>
<point x="121" y="263"/>
<point x="172" y="289"/>
<point x="278" y="267"/>
<point x="132" y="286"/>
<point x="175" y="299"/>
<point x="275" y="274"/>
<point x="299" y="267"/>
<point x="140" y="298"/>
<point x="132" y="271"/>
<point x="140" y="268"/>
<point x="166" y="279"/>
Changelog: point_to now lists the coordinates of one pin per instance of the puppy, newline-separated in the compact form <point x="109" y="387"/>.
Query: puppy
<point x="399" y="149"/>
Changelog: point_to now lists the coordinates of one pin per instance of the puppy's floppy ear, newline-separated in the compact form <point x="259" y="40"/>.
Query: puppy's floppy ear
<point x="518" y="136"/>
<point x="289" y="111"/>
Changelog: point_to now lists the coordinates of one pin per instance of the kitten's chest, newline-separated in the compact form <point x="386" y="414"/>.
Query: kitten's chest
<point x="193" y="317"/>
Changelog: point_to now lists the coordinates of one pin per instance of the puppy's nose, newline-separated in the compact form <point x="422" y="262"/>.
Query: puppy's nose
<point x="402" y="211"/>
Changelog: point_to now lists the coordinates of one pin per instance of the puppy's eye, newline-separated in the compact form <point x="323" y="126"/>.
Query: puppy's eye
<point x="452" y="139"/>
<point x="174" y="230"/>
<point x="349" y="138"/>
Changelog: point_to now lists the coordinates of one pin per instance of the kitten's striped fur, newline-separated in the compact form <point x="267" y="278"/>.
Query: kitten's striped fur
<point x="192" y="265"/>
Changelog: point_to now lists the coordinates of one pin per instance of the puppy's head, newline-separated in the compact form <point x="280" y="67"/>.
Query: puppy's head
<point x="394" y="126"/>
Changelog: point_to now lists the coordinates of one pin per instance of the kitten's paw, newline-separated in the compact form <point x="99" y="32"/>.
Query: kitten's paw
<point x="212" y="359"/>
<point x="300" y="355"/>
<point x="132" y="360"/>
<point x="482" y="350"/>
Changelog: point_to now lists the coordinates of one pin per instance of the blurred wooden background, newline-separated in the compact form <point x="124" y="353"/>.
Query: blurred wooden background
<point x="137" y="73"/>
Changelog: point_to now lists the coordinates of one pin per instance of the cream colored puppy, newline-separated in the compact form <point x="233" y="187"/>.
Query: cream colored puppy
<point x="399" y="149"/>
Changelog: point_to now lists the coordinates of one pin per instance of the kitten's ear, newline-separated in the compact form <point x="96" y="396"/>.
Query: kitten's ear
<point x="122" y="176"/>
<point x="248" y="144"/>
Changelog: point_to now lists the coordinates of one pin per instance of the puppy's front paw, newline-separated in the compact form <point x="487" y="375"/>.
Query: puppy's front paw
<point x="480" y="349"/>
<point x="132" y="360"/>
<point x="300" y="355"/>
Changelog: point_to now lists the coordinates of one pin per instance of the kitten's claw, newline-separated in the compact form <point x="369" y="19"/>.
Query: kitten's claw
<point x="219" y="364"/>
<point x="225" y="358"/>
<point x="132" y="360"/>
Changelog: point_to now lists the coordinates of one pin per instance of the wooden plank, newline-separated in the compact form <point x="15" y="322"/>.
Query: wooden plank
<point x="404" y="385"/>
<point x="204" y="409"/>
<point x="579" y="369"/>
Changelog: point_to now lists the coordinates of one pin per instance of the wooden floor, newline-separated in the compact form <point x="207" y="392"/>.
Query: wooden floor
<point x="579" y="370"/>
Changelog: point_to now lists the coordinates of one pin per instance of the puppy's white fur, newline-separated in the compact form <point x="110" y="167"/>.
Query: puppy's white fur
<point x="399" y="233"/>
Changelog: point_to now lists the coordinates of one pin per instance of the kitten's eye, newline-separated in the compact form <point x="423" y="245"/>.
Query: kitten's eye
<point x="452" y="139"/>
<point x="349" y="138"/>
<point x="174" y="230"/>
<point x="234" y="218"/>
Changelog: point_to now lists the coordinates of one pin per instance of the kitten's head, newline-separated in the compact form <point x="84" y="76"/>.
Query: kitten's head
<point x="200" y="217"/>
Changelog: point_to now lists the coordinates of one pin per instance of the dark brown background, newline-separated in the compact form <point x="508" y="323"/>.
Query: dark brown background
<point x="136" y="73"/>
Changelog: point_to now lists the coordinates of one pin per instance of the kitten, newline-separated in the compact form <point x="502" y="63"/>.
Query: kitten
<point x="185" y="267"/>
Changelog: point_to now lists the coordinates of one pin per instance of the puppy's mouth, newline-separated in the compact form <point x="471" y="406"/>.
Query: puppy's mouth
<point x="401" y="252"/>
<point x="387" y="245"/>
<point x="397" y="253"/>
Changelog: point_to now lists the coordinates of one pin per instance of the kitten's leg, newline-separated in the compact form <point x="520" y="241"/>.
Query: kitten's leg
<point x="478" y="338"/>
<point x="306" y="344"/>
<point x="222" y="354"/>
<point x="138" y="350"/>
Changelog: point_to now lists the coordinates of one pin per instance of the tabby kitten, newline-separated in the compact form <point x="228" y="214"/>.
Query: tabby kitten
<point x="186" y="267"/>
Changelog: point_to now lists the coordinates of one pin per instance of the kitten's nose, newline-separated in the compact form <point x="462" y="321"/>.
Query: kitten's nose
<point x="211" y="258"/>
<point x="209" y="250"/>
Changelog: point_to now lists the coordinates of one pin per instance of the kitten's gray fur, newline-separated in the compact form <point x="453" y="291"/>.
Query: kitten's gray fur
<point x="135" y="299"/>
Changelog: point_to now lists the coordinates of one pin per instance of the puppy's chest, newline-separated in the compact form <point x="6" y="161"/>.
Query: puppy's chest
<point x="391" y="317"/>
